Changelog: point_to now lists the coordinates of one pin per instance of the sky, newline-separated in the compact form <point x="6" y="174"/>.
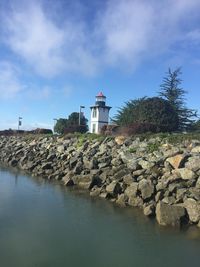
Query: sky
<point x="57" y="55"/>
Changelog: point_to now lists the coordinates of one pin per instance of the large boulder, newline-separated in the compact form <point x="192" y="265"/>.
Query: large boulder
<point x="193" y="209"/>
<point x="169" y="214"/>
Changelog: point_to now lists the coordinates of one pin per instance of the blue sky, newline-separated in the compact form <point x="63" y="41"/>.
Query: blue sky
<point x="57" y="55"/>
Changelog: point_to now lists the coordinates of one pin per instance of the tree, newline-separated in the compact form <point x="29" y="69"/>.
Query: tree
<point x="60" y="126"/>
<point x="71" y="124"/>
<point x="155" y="111"/>
<point x="171" y="90"/>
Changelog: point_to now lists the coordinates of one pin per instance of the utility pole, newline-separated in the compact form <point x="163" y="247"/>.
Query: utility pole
<point x="19" y="122"/>
<point x="79" y="121"/>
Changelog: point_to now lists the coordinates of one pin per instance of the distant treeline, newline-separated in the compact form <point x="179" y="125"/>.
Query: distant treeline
<point x="18" y="132"/>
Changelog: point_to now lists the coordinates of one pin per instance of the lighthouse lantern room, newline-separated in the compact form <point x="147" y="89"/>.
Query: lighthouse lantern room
<point x="99" y="114"/>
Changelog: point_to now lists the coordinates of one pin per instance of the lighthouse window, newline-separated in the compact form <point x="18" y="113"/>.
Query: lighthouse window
<point x="94" y="115"/>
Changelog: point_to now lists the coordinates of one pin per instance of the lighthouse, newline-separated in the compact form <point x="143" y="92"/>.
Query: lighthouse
<point x="99" y="114"/>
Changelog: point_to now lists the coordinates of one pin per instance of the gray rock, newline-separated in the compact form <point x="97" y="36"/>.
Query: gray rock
<point x="193" y="209"/>
<point x="128" y="179"/>
<point x="46" y="166"/>
<point x="146" y="164"/>
<point x="113" y="188"/>
<point x="121" y="200"/>
<point x="193" y="163"/>
<point x="169" y="214"/>
<point x="95" y="191"/>
<point x="135" y="201"/>
<point x="149" y="210"/>
<point x="186" y="174"/>
<point x="169" y="200"/>
<point x="61" y="148"/>
<point x="196" y="149"/>
<point x="147" y="188"/>
<point x="73" y="161"/>
<point x="131" y="191"/>
<point x="120" y="174"/>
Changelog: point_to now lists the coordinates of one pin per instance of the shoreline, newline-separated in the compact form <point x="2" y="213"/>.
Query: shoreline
<point x="161" y="179"/>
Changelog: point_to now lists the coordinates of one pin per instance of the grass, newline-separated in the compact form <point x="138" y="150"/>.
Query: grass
<point x="82" y="138"/>
<point x="172" y="138"/>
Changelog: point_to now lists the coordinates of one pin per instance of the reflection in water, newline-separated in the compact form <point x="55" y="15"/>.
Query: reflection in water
<point x="45" y="224"/>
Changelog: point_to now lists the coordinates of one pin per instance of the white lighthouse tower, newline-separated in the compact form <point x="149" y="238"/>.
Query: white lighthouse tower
<point x="99" y="114"/>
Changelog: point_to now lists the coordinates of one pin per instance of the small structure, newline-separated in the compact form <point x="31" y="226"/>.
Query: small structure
<point x="99" y="114"/>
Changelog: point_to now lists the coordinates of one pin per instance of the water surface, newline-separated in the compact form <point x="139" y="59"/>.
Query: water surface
<point x="44" y="224"/>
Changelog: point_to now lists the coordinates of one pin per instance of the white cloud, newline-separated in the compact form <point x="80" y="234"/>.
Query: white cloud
<point x="10" y="84"/>
<point x="123" y="33"/>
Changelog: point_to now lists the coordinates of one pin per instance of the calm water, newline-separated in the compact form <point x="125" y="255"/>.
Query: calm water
<point x="44" y="224"/>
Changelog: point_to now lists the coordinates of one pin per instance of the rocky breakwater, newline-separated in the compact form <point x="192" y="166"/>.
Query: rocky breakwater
<point x="161" y="179"/>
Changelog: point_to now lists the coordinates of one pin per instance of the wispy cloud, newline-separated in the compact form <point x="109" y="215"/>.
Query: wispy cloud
<point x="10" y="84"/>
<point x="121" y="34"/>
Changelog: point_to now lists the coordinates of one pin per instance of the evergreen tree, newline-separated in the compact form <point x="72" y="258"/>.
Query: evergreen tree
<point x="153" y="110"/>
<point x="171" y="90"/>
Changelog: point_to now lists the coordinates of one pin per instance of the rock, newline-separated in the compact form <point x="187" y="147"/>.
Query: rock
<point x="113" y="188"/>
<point x="149" y="210"/>
<point x="61" y="148"/>
<point x="158" y="196"/>
<point x="169" y="200"/>
<point x="13" y="163"/>
<point x="131" y="191"/>
<point x="46" y="166"/>
<point x="193" y="209"/>
<point x="180" y="194"/>
<point x="196" y="149"/>
<point x="198" y="183"/>
<point x="137" y="173"/>
<point x="147" y="188"/>
<point x="69" y="182"/>
<point x="85" y="181"/>
<point x="120" y="139"/>
<point x="121" y="200"/>
<point x="135" y="201"/>
<point x="194" y="192"/>
<point x="120" y="174"/>
<point x="78" y="168"/>
<point x="146" y="164"/>
<point x="176" y="161"/>
<point x="193" y="163"/>
<point x="128" y="179"/>
<point x="169" y="214"/>
<point x="95" y="191"/>
<point x="186" y="174"/>
<point x="129" y="159"/>
<point x="73" y="161"/>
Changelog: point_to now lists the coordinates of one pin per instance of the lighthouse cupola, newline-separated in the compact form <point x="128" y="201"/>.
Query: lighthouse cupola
<point x="100" y="100"/>
<point x="99" y="114"/>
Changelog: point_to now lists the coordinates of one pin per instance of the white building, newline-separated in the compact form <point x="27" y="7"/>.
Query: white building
<point x="99" y="114"/>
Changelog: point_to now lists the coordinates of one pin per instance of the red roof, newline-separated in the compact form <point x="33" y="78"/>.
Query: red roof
<point x="100" y="94"/>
